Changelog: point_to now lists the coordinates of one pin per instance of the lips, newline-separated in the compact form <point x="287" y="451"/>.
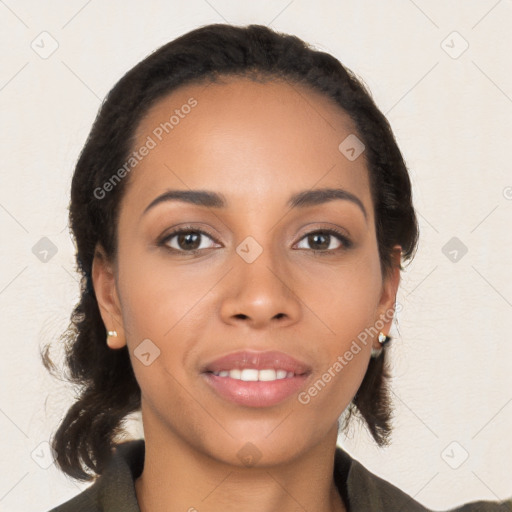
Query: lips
<point x="256" y="379"/>
<point x="270" y="360"/>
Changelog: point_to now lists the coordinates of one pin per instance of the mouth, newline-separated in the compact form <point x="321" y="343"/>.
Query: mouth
<point x="256" y="379"/>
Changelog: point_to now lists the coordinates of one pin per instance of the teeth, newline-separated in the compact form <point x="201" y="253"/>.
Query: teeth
<point x="253" y="375"/>
<point x="267" y="375"/>
<point x="249" y="375"/>
<point x="234" y="374"/>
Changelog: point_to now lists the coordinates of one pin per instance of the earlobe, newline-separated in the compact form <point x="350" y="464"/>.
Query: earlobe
<point x="108" y="301"/>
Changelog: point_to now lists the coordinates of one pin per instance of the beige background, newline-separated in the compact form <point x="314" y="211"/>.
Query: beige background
<point x="451" y="112"/>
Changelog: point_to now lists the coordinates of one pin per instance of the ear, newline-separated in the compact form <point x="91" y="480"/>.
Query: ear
<point x="105" y="289"/>
<point x="386" y="308"/>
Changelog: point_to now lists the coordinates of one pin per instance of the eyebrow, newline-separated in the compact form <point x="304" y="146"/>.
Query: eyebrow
<point x="298" y="200"/>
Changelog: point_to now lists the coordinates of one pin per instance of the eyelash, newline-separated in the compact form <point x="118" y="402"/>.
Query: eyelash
<point x="346" y="242"/>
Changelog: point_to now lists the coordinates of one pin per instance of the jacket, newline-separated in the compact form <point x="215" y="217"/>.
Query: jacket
<point x="361" y="490"/>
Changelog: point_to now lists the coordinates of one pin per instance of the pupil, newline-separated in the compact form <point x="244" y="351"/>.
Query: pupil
<point x="186" y="242"/>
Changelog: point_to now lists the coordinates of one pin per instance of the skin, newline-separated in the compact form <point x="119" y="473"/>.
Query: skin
<point x="257" y="144"/>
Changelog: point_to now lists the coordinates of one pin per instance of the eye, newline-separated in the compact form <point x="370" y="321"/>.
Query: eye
<point x="326" y="240"/>
<point x="188" y="240"/>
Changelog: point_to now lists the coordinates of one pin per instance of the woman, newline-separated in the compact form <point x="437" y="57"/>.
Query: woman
<point x="241" y="212"/>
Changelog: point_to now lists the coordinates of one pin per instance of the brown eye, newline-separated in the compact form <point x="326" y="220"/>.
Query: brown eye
<point x="188" y="240"/>
<point x="326" y="241"/>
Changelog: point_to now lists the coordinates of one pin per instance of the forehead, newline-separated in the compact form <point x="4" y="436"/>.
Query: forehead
<point x="273" y="137"/>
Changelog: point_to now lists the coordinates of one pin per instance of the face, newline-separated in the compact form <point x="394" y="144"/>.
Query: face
<point x="265" y="263"/>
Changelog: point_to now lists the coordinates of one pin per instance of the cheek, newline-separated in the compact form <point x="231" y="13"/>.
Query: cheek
<point x="171" y="307"/>
<point x="345" y="310"/>
<point x="344" y="297"/>
<point x="332" y="390"/>
<point x="158" y="296"/>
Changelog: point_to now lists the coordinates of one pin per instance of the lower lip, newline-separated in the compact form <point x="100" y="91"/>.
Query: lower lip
<point x="255" y="393"/>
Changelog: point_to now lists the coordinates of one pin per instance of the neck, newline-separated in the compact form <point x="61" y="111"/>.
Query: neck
<point x="178" y="476"/>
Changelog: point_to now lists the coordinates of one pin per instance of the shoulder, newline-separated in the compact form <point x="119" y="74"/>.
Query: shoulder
<point x="365" y="491"/>
<point x="114" y="489"/>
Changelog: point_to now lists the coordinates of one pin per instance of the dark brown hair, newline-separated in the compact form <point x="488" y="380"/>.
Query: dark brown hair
<point x="108" y="390"/>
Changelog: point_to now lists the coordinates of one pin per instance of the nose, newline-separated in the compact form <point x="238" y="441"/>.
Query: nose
<point x="260" y="294"/>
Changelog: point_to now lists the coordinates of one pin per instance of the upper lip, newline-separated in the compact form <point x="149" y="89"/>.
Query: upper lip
<point x="258" y="360"/>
